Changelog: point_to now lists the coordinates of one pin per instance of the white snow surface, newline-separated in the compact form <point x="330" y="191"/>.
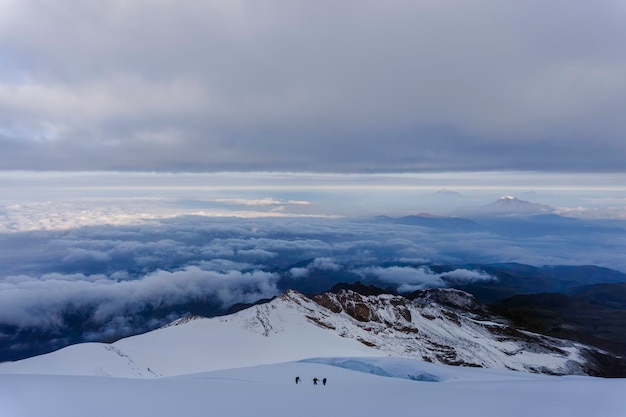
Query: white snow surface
<point x="351" y="391"/>
<point x="245" y="364"/>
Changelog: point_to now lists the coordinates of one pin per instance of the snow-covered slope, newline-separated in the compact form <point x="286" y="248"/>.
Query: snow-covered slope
<point x="269" y="333"/>
<point x="355" y="387"/>
<point x="444" y="326"/>
<point x="245" y="364"/>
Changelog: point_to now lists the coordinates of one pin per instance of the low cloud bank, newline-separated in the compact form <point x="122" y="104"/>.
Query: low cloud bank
<point x="320" y="264"/>
<point x="409" y="279"/>
<point x="112" y="280"/>
<point x="465" y="276"/>
<point x="122" y="269"/>
<point x="44" y="302"/>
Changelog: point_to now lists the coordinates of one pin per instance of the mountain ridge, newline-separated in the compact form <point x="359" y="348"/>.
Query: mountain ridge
<point x="444" y="326"/>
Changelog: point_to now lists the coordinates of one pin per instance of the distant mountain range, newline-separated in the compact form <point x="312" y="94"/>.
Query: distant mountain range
<point x="514" y="279"/>
<point x="594" y="314"/>
<point x="446" y="192"/>
<point x="442" y="223"/>
<point x="507" y="216"/>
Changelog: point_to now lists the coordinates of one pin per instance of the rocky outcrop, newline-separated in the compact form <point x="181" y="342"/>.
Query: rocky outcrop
<point x="450" y="326"/>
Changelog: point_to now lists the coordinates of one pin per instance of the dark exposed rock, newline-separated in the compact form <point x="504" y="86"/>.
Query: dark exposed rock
<point x="326" y="301"/>
<point x="449" y="297"/>
<point x="399" y="318"/>
<point x="405" y="313"/>
<point x="320" y="323"/>
<point x="359" y="311"/>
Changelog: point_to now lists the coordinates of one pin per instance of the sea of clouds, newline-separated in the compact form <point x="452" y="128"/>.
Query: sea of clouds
<point x="113" y="272"/>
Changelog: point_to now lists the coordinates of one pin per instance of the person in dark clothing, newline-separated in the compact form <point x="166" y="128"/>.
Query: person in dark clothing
<point x="297" y="380"/>
<point x="315" y="381"/>
<point x="324" y="381"/>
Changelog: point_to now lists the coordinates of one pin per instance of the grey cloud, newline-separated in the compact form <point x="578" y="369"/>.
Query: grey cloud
<point x="85" y="255"/>
<point x="41" y="302"/>
<point x="406" y="278"/>
<point x="223" y="265"/>
<point x="112" y="275"/>
<point x="465" y="276"/>
<point x="171" y="260"/>
<point x="137" y="250"/>
<point x="256" y="254"/>
<point x="410" y="279"/>
<point x="413" y="260"/>
<point x="342" y="87"/>
<point x="325" y="264"/>
<point x="268" y="201"/>
<point x="299" y="272"/>
<point x="123" y="325"/>
<point x="320" y="264"/>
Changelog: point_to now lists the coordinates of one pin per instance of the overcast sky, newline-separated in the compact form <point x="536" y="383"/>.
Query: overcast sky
<point x="337" y="86"/>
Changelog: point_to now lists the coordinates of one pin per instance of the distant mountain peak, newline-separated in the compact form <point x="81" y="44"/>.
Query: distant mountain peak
<point x="512" y="200"/>
<point x="447" y="193"/>
<point x="429" y="215"/>
<point x="509" y="205"/>
<point x="515" y="205"/>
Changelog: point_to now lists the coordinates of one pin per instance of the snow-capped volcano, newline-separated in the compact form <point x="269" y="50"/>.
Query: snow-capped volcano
<point x="441" y="326"/>
<point x="507" y="205"/>
<point x="510" y="204"/>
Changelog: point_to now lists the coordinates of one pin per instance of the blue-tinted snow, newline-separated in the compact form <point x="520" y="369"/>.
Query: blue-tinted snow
<point x="396" y="368"/>
<point x="418" y="370"/>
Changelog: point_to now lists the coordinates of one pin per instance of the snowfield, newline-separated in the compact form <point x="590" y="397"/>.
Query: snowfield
<point x="238" y="340"/>
<point x="245" y="364"/>
<point x="352" y="390"/>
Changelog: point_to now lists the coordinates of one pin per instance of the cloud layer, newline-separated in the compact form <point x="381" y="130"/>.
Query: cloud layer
<point x="290" y="86"/>
<point x="97" y="282"/>
<point x="118" y="271"/>
<point x="42" y="302"/>
<point x="409" y="279"/>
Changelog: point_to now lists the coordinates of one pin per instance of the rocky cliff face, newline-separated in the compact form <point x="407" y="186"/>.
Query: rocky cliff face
<point x="445" y="326"/>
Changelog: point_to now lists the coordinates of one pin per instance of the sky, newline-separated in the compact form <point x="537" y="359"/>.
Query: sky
<point x="293" y="86"/>
<point x="147" y="143"/>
